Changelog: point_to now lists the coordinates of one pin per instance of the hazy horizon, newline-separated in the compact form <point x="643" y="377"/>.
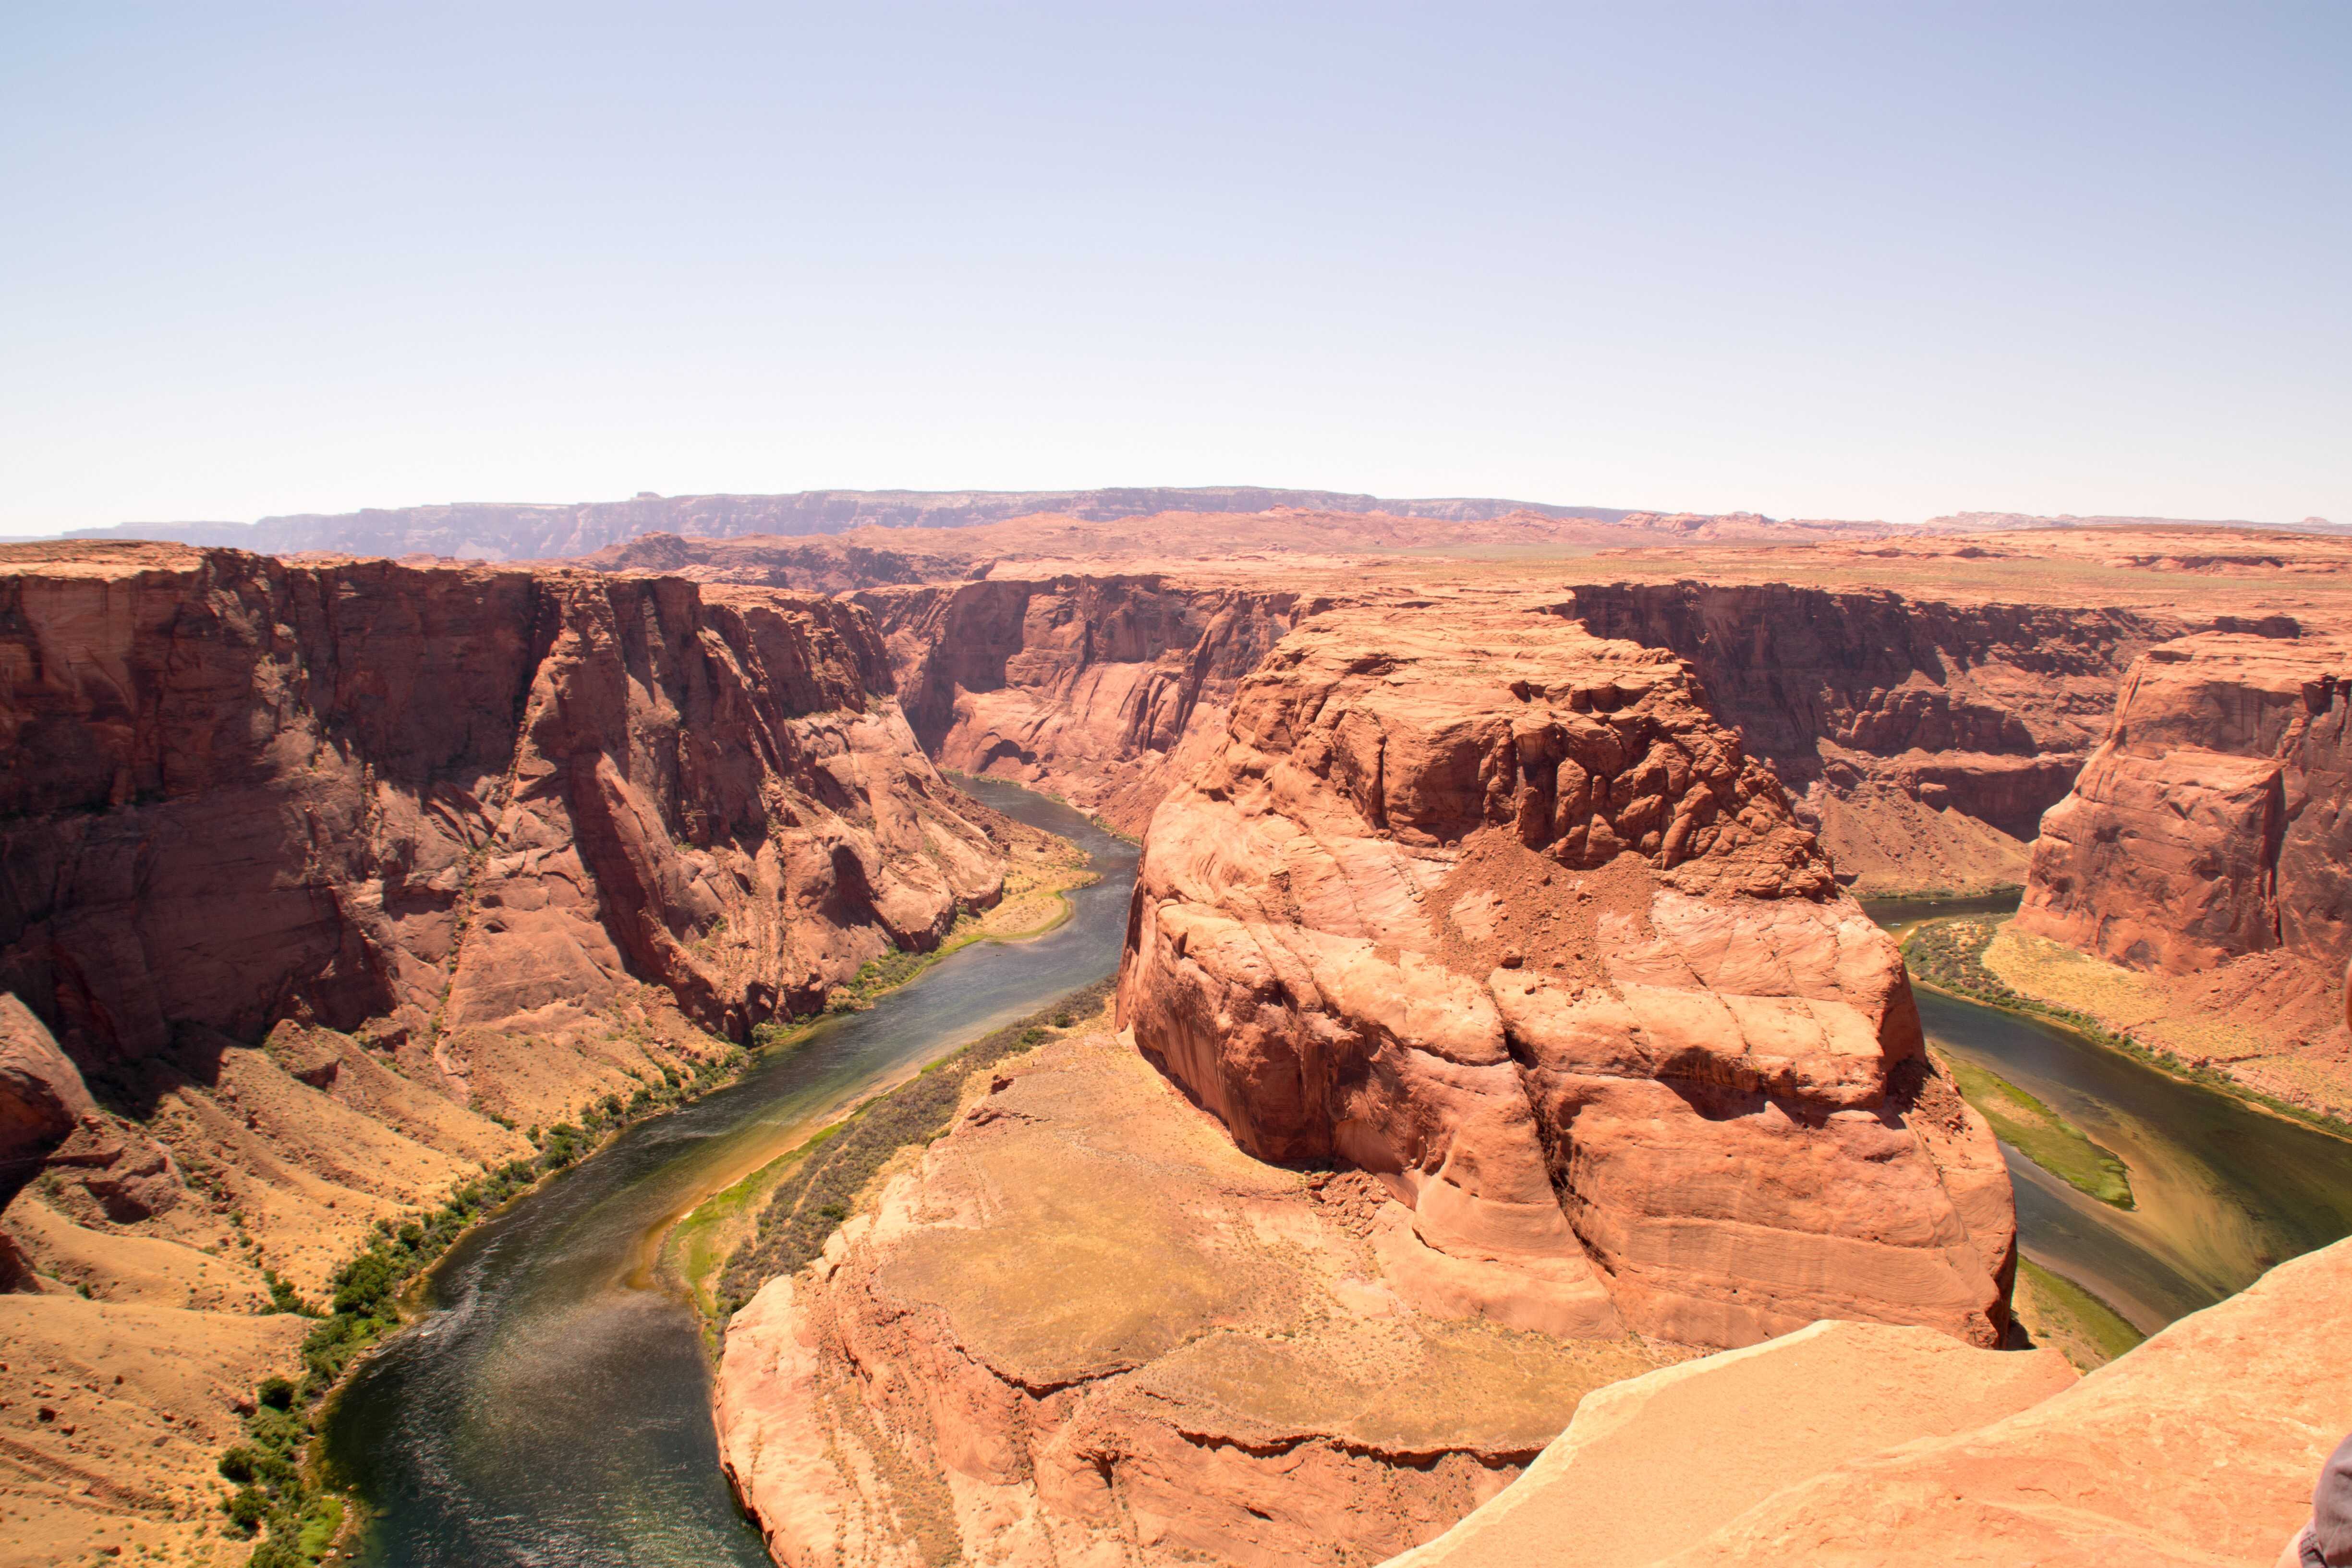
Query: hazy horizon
<point x="1814" y="261"/>
<point x="975" y="490"/>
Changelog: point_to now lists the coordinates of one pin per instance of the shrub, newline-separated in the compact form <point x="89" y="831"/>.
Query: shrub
<point x="246" y="1509"/>
<point x="277" y="1392"/>
<point x="283" y="1297"/>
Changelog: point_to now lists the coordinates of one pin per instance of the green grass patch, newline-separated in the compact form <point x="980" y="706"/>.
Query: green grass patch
<point x="2081" y="1312"/>
<point x="809" y="1203"/>
<point x="2026" y="1124"/>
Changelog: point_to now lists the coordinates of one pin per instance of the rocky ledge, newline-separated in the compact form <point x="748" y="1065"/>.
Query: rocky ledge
<point x="1839" y="1447"/>
<point x="1085" y="1328"/>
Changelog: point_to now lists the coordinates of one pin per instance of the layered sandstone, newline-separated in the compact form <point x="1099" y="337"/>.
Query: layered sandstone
<point x="1104" y="690"/>
<point x="1498" y="911"/>
<point x="2198" y="1448"/>
<point x="1923" y="739"/>
<point x="234" y="791"/>
<point x="1085" y="1328"/>
<point x="2207" y="825"/>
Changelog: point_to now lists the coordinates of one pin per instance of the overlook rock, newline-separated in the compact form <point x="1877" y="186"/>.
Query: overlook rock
<point x="1498" y="911"/>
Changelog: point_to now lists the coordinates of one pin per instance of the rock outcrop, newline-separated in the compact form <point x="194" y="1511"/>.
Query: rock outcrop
<point x="1104" y="690"/>
<point x="1922" y="739"/>
<point x="42" y="1097"/>
<point x="1498" y="911"/>
<point x="1660" y="1462"/>
<point x="2199" y="1447"/>
<point x="1085" y="1328"/>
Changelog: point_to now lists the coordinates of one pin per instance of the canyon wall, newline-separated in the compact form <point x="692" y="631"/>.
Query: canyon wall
<point x="1922" y="739"/>
<point x="234" y="791"/>
<point x="1101" y="689"/>
<point x="2212" y="821"/>
<point x="321" y="883"/>
<point x="1496" y="910"/>
<point x="2191" y="891"/>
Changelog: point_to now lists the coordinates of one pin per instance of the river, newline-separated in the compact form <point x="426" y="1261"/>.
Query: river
<point x="2222" y="1190"/>
<point x="551" y="1407"/>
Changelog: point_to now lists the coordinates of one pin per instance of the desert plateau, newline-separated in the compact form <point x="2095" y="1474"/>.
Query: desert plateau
<point x="1059" y="1039"/>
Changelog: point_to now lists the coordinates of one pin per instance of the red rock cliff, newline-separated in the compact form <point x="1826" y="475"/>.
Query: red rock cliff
<point x="234" y="790"/>
<point x="1497" y="910"/>
<point x="1923" y="739"/>
<point x="2212" y="821"/>
<point x="1101" y="689"/>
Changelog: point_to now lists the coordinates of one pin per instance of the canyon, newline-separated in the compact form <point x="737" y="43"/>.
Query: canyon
<point x="1495" y="1003"/>
<point x="330" y="886"/>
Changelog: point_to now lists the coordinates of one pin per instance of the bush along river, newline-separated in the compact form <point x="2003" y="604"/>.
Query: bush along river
<point x="550" y="1405"/>
<point x="2158" y="1195"/>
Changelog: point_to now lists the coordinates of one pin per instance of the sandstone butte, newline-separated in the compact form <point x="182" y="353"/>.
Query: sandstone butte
<point x="323" y="880"/>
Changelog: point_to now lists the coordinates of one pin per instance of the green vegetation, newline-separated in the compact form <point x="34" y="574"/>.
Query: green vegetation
<point x="2078" y="1315"/>
<point x="814" y="1195"/>
<point x="277" y="1485"/>
<point x="1947" y="955"/>
<point x="2043" y="1135"/>
<point x="698" y="1245"/>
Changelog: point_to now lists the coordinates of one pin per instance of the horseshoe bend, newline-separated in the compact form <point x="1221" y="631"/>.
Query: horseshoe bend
<point x="1487" y="1125"/>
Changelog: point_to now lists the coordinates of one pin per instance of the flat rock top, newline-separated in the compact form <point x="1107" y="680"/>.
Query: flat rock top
<point x="1650" y="1466"/>
<point x="1085" y="1223"/>
<point x="88" y="558"/>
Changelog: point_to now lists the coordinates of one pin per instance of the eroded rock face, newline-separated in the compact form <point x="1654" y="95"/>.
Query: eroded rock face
<point x="2212" y="820"/>
<point x="234" y="790"/>
<point x="1923" y="739"/>
<point x="41" y="1096"/>
<point x="1101" y="689"/>
<point x="1496" y="910"/>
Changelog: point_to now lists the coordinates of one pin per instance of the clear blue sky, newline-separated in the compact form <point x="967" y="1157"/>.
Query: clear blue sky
<point x="1859" y="260"/>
